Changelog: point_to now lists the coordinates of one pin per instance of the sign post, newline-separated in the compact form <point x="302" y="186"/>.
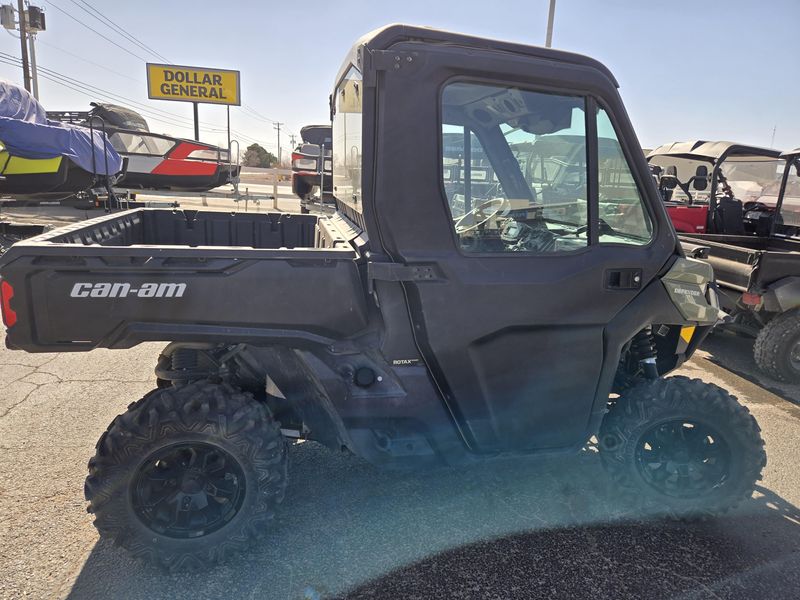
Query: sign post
<point x="193" y="84"/>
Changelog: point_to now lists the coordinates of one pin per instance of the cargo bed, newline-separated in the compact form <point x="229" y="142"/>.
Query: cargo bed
<point x="172" y="275"/>
<point x="747" y="263"/>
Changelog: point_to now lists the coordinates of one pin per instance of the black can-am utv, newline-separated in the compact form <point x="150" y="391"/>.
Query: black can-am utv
<point x="429" y="320"/>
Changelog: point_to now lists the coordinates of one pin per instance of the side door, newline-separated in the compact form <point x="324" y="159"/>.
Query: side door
<point x="530" y="270"/>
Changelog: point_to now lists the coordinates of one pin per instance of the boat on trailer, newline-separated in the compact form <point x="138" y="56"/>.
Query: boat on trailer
<point x="157" y="161"/>
<point x="42" y="158"/>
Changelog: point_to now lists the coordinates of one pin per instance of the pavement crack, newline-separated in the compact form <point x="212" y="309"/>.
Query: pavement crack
<point x="16" y="404"/>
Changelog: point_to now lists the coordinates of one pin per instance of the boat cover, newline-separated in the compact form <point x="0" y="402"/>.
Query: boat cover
<point x="26" y="132"/>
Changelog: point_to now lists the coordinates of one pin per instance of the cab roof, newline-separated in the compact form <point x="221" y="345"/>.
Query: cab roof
<point x="386" y="37"/>
<point x="791" y="153"/>
<point x="710" y="150"/>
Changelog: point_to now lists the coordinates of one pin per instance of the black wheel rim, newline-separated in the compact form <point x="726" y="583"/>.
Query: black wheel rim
<point x="683" y="459"/>
<point x="794" y="356"/>
<point x="188" y="490"/>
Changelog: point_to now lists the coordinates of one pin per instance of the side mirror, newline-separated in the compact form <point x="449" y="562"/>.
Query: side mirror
<point x="700" y="179"/>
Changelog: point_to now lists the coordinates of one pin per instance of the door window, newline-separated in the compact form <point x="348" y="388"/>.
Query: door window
<point x="623" y="217"/>
<point x="514" y="168"/>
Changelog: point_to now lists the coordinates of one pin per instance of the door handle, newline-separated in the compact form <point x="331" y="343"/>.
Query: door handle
<point x="623" y="279"/>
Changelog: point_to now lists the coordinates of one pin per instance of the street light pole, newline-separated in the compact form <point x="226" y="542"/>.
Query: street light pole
<point x="550" y="17"/>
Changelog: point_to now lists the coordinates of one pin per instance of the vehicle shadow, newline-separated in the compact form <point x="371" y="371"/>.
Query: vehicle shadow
<point x="735" y="354"/>
<point x="507" y="528"/>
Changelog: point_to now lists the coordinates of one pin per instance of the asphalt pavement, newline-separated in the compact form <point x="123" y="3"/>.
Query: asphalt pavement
<point x="533" y="528"/>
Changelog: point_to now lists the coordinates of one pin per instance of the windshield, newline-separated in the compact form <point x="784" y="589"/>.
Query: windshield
<point x="789" y="221"/>
<point x="685" y="169"/>
<point x="752" y="178"/>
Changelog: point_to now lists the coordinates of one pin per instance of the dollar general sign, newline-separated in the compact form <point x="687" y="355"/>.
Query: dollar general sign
<point x="192" y="84"/>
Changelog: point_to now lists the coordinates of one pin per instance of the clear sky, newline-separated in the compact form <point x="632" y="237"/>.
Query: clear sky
<point x="711" y="69"/>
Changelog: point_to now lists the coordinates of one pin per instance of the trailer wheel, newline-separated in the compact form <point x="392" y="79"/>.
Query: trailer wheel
<point x="188" y="475"/>
<point x="777" y="347"/>
<point x="683" y="447"/>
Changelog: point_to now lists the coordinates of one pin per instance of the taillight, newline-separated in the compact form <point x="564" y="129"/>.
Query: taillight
<point x="751" y="299"/>
<point x="7" y="293"/>
<point x="302" y="163"/>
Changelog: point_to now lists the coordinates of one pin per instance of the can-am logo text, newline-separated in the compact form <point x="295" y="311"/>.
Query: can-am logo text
<point x="123" y="290"/>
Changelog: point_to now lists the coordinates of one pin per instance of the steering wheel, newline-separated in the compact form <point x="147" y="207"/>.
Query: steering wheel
<point x="754" y="205"/>
<point x="480" y="214"/>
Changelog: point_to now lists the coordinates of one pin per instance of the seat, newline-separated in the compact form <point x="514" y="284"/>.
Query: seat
<point x="729" y="216"/>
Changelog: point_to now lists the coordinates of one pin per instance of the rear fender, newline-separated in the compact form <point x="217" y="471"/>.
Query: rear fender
<point x="782" y="295"/>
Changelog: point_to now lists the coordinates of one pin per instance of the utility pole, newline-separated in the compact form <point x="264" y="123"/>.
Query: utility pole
<point x="278" y="127"/>
<point x="292" y="137"/>
<point x="550" y="17"/>
<point x="34" y="72"/>
<point x="23" y="36"/>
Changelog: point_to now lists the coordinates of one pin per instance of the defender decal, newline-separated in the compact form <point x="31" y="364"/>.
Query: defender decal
<point x="123" y="290"/>
<point x="687" y="292"/>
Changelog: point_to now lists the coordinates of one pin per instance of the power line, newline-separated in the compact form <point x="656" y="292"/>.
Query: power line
<point x="253" y="112"/>
<point x="91" y="62"/>
<point x="93" y="88"/>
<point x="95" y="30"/>
<point x="99" y="16"/>
<point x="95" y="92"/>
<point x="250" y="112"/>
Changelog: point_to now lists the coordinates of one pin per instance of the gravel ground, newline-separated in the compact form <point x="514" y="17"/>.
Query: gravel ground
<point x="505" y="529"/>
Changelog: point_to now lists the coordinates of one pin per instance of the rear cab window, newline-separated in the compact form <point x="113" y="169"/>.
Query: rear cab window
<point x="347" y="139"/>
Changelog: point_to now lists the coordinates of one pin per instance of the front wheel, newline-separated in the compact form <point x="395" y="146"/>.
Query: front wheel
<point x="683" y="446"/>
<point x="188" y="475"/>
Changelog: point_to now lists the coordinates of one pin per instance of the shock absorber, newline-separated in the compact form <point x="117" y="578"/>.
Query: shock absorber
<point x="643" y="349"/>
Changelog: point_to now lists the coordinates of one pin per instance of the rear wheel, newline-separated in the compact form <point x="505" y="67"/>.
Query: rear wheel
<point x="683" y="446"/>
<point x="777" y="347"/>
<point x="188" y="475"/>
